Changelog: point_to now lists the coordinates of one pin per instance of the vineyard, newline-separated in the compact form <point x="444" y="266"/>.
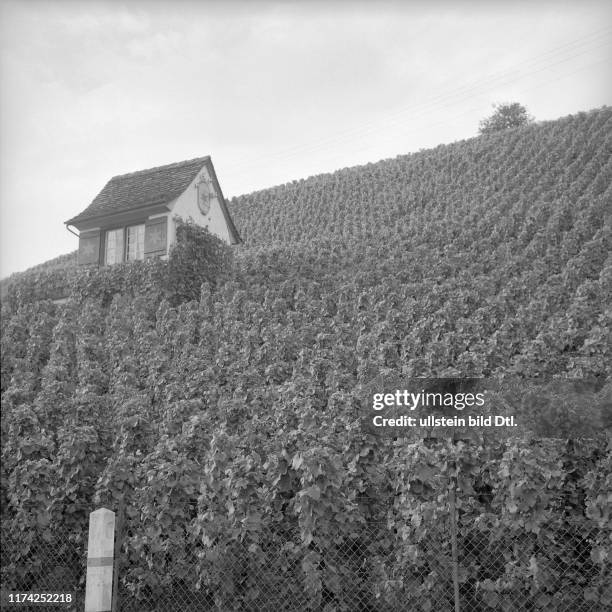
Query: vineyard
<point x="220" y="411"/>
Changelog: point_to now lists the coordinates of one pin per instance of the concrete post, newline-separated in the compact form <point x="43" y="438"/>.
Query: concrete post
<point x="100" y="550"/>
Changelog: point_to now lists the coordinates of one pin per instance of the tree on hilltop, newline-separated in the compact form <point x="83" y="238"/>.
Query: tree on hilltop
<point x="506" y="115"/>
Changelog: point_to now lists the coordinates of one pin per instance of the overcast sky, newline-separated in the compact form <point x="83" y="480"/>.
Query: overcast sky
<point x="273" y="91"/>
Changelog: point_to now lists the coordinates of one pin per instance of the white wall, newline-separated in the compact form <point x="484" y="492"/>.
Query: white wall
<point x="186" y="206"/>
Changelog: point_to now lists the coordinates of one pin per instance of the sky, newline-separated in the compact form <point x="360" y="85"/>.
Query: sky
<point x="272" y="91"/>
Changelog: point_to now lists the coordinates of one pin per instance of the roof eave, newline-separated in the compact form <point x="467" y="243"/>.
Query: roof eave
<point x="115" y="217"/>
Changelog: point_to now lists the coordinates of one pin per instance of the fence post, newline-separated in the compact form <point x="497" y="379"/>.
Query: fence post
<point x="455" y="557"/>
<point x="118" y="542"/>
<point x="100" y="548"/>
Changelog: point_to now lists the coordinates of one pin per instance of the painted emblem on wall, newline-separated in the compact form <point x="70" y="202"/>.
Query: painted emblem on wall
<point x="205" y="194"/>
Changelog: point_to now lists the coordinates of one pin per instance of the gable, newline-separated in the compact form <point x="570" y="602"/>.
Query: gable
<point x="217" y="218"/>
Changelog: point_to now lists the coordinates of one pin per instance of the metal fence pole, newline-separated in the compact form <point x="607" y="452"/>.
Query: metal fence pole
<point x="455" y="558"/>
<point x="118" y="543"/>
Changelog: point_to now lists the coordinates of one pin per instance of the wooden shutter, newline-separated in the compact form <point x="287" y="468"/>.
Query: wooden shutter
<point x="89" y="248"/>
<point x="156" y="232"/>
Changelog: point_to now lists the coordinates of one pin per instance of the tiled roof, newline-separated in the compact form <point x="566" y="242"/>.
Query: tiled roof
<point x="149" y="187"/>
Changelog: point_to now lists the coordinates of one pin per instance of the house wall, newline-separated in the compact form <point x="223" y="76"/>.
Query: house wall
<point x="186" y="206"/>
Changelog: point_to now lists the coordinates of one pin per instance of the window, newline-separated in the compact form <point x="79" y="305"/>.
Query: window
<point x="114" y="246"/>
<point x="124" y="244"/>
<point x="135" y="242"/>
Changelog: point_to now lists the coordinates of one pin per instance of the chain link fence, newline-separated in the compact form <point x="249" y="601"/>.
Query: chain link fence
<point x="560" y="568"/>
<point x="49" y="560"/>
<point x="272" y="571"/>
<point x="564" y="565"/>
<point x="373" y="570"/>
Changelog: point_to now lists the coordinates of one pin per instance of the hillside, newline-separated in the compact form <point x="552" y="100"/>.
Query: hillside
<point x="478" y="236"/>
<point x="528" y="168"/>
<point x="56" y="268"/>
<point x="229" y="423"/>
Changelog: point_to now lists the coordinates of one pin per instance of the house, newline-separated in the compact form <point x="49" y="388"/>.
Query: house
<point x="133" y="217"/>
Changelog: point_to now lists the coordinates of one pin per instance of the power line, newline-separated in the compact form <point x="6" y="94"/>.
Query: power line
<point x="462" y="93"/>
<point x="475" y="108"/>
<point x="440" y="101"/>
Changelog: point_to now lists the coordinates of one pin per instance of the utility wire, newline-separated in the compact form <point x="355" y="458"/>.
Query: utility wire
<point x="468" y="91"/>
<point x="434" y="104"/>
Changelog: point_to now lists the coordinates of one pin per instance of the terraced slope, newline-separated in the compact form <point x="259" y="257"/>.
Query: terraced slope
<point x="450" y="191"/>
<point x="495" y="250"/>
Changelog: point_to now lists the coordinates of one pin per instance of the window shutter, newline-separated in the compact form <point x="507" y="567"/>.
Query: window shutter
<point x="156" y="231"/>
<point x="89" y="248"/>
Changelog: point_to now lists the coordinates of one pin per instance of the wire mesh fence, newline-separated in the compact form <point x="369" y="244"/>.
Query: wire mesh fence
<point x="373" y="566"/>
<point x="558" y="568"/>
<point x="375" y="569"/>
<point x="272" y="570"/>
<point x="45" y="561"/>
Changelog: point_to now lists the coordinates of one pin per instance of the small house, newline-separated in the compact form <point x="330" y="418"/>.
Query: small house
<point x="133" y="217"/>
